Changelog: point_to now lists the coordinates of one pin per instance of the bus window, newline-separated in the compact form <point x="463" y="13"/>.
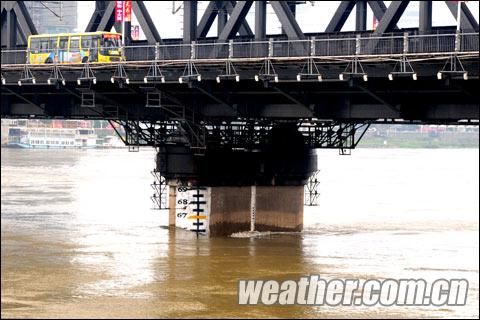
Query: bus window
<point x="52" y="43"/>
<point x="63" y="43"/>
<point x="93" y="48"/>
<point x="34" y="44"/>
<point x="74" y="44"/>
<point x="95" y="40"/>
<point x="86" y="42"/>
<point x="44" y="45"/>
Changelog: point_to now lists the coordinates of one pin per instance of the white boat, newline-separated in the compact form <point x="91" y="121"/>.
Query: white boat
<point x="112" y="142"/>
<point x="51" y="138"/>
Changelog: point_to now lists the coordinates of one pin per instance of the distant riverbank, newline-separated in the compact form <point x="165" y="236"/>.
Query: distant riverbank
<point x="419" y="140"/>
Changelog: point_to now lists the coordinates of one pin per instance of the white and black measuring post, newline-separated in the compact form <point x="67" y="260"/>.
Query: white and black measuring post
<point x="193" y="208"/>
<point x="253" y="207"/>
<point x="198" y="204"/>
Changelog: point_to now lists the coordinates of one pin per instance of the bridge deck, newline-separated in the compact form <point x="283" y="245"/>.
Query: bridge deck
<point x="287" y="86"/>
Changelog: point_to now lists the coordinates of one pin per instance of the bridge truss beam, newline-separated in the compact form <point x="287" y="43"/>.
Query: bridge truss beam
<point x="244" y="135"/>
<point x="17" y="24"/>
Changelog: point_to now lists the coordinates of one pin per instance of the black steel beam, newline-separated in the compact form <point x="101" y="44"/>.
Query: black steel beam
<point x="378" y="9"/>
<point x="24" y="21"/>
<point x="236" y="19"/>
<point x="222" y="19"/>
<point x="16" y="24"/>
<point x="11" y="29"/>
<point x="146" y="22"/>
<point x="207" y="19"/>
<point x="208" y="92"/>
<point x="425" y="17"/>
<point x="3" y="27"/>
<point x="108" y="18"/>
<point x="361" y="15"/>
<point x="189" y="21"/>
<point x="128" y="33"/>
<point x="100" y="7"/>
<point x="260" y="20"/>
<point x="467" y="21"/>
<point x="220" y="9"/>
<point x="245" y="29"/>
<point x="292" y="5"/>
<point x="391" y="17"/>
<point x="340" y="16"/>
<point x="23" y="98"/>
<point x="302" y="108"/>
<point x="287" y="19"/>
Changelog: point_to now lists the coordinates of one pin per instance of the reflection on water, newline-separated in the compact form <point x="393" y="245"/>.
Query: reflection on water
<point x="79" y="238"/>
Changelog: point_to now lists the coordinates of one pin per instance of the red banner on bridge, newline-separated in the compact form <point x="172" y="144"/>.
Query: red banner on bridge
<point x="118" y="11"/>
<point x="128" y="10"/>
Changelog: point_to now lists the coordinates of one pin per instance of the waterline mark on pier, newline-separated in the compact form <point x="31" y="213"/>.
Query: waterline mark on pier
<point x="313" y="290"/>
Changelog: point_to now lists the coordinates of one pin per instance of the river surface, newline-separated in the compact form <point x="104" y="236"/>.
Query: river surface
<point x="79" y="237"/>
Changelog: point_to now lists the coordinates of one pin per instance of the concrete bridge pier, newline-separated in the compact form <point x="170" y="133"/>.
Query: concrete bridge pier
<point x="225" y="191"/>
<point x="275" y="208"/>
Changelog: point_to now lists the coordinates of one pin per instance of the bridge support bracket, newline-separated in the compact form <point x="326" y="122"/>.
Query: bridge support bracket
<point x="154" y="74"/>
<point x="354" y="69"/>
<point x="229" y="72"/>
<point x="403" y="66"/>
<point x="309" y="71"/>
<point x="120" y="75"/>
<point x="87" y="75"/>
<point x="453" y="67"/>
<point x="190" y="73"/>
<point x="56" y="76"/>
<point x="267" y="72"/>
<point x="27" y="76"/>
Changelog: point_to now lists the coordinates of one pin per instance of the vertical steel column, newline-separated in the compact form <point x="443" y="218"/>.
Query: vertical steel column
<point x="222" y="19"/>
<point x="128" y="32"/>
<point x="189" y="21"/>
<point x="230" y="49"/>
<point x="260" y="20"/>
<point x="361" y="15"/>
<point x="293" y="8"/>
<point x="312" y="46"/>
<point x="357" y="52"/>
<point x="11" y="29"/>
<point x="157" y="51"/>
<point x="425" y="17"/>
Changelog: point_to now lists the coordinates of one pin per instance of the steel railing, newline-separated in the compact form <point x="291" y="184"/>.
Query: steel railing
<point x="336" y="47"/>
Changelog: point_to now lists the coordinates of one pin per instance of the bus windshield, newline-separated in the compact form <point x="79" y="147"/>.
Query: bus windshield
<point x="111" y="41"/>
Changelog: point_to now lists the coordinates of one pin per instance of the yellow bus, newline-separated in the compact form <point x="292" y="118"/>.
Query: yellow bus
<point x="75" y="47"/>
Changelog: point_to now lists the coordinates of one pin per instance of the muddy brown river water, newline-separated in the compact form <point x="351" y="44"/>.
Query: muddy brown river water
<point x="79" y="237"/>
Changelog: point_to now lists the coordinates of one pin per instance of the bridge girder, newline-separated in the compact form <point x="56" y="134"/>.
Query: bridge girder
<point x="17" y="25"/>
<point x="426" y="100"/>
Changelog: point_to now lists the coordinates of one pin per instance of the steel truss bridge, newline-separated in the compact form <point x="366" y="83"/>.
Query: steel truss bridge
<point x="232" y="90"/>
